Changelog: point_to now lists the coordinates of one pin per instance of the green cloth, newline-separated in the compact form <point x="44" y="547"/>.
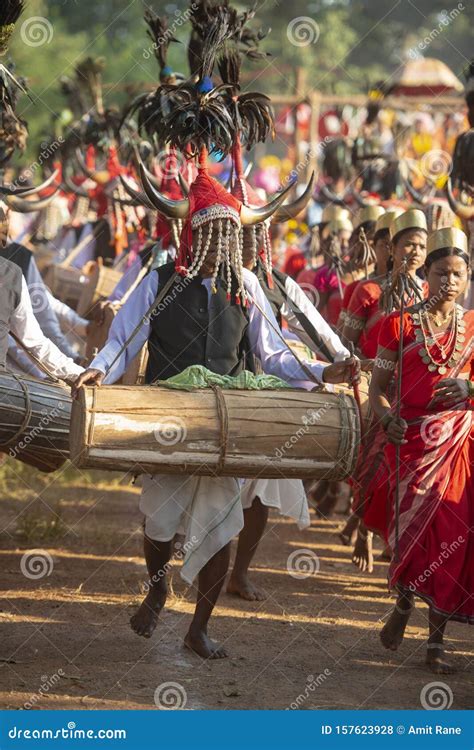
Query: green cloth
<point x="198" y="376"/>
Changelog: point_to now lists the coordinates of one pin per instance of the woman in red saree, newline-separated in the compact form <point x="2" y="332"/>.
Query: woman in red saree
<point x="434" y="547"/>
<point x="370" y="480"/>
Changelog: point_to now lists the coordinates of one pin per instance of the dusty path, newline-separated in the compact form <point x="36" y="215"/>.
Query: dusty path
<point x="66" y="643"/>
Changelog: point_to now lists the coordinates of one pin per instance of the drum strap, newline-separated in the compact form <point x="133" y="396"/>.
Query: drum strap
<point x="35" y="359"/>
<point x="151" y="311"/>
<point x="223" y="415"/>
<point x="305" y="323"/>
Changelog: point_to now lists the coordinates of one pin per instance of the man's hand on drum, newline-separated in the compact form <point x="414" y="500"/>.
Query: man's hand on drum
<point x="347" y="371"/>
<point x="89" y="377"/>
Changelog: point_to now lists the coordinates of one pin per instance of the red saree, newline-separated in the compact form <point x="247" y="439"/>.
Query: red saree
<point x="436" y="486"/>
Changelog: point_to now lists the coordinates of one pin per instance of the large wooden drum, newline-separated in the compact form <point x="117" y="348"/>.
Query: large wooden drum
<point x="35" y="421"/>
<point x="273" y="434"/>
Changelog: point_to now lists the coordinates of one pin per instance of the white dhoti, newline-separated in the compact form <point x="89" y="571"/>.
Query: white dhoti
<point x="207" y="510"/>
<point x="286" y="495"/>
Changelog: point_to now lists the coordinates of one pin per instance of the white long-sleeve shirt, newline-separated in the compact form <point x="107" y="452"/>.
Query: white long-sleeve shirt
<point x="275" y="357"/>
<point x="25" y="326"/>
<point x="331" y="339"/>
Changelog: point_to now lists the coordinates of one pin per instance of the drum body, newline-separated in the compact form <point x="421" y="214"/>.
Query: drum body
<point x="35" y="419"/>
<point x="213" y="432"/>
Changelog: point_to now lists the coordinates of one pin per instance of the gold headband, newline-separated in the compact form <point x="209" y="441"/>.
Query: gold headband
<point x="384" y="221"/>
<point x="339" y="225"/>
<point x="411" y="219"/>
<point x="448" y="237"/>
<point x="368" y="213"/>
<point x="334" y="212"/>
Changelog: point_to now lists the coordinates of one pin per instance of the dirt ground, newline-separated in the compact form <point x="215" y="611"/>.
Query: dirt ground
<point x="313" y="643"/>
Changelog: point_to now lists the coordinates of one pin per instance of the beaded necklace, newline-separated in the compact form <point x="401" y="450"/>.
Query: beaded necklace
<point x="439" y="356"/>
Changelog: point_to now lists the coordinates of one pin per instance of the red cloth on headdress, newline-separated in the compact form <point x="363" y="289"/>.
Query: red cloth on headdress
<point x="204" y="192"/>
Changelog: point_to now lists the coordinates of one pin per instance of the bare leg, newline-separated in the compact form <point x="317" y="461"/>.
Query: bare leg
<point x="327" y="505"/>
<point x="349" y="529"/>
<point x="255" y="520"/>
<point x="393" y="631"/>
<point x="435" y="655"/>
<point x="363" y="556"/>
<point x="316" y="492"/>
<point x="157" y="555"/>
<point x="210" y="583"/>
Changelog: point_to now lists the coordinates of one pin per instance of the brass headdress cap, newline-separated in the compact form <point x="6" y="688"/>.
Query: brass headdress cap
<point x="334" y="212"/>
<point x="384" y="221"/>
<point x="368" y="213"/>
<point x="411" y="219"/>
<point x="448" y="237"/>
<point x="339" y="225"/>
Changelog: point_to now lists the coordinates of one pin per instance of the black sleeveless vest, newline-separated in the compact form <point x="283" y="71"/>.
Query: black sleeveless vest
<point x="10" y="295"/>
<point x="189" y="331"/>
<point x="18" y="255"/>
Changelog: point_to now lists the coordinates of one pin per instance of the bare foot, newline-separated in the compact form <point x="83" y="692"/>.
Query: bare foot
<point x="349" y="530"/>
<point x="363" y="556"/>
<point x="145" y="619"/>
<point x="393" y="631"/>
<point x="243" y="587"/>
<point x="436" y="662"/>
<point x="201" y="644"/>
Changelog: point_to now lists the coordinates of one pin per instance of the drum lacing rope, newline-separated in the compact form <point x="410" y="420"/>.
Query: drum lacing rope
<point x="223" y="416"/>
<point x="27" y="415"/>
